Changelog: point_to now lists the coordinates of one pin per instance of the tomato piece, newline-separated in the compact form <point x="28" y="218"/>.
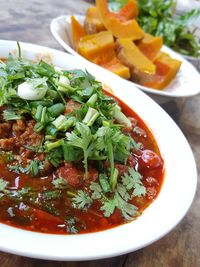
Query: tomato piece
<point x="149" y="159"/>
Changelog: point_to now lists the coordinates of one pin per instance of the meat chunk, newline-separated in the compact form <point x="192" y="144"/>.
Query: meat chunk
<point x="5" y="128"/>
<point x="19" y="127"/>
<point x="128" y="130"/>
<point x="122" y="169"/>
<point x="71" y="174"/>
<point x="93" y="174"/>
<point x="151" y="192"/>
<point x="71" y="106"/>
<point x="30" y="137"/>
<point x="7" y="144"/>
<point x="152" y="181"/>
<point x="75" y="176"/>
<point x="132" y="162"/>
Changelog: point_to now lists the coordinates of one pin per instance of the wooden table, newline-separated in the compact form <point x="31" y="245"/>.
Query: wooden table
<point x="29" y="21"/>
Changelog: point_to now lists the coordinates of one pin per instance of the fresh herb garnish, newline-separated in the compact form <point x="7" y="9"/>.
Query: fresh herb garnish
<point x="33" y="167"/>
<point x="133" y="181"/>
<point x="3" y="185"/>
<point x="71" y="226"/>
<point x="59" y="183"/>
<point x="9" y="114"/>
<point x="82" y="200"/>
<point x="130" y="186"/>
<point x="81" y="138"/>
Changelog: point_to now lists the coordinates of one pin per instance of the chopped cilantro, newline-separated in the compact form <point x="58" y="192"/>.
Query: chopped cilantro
<point x="71" y="227"/>
<point x="3" y="185"/>
<point x="96" y="190"/>
<point x="82" y="200"/>
<point x="9" y="114"/>
<point x="33" y="167"/>
<point x="133" y="181"/>
<point x="59" y="183"/>
<point x="81" y="138"/>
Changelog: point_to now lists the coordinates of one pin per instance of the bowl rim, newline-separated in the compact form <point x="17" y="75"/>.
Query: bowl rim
<point x="154" y="223"/>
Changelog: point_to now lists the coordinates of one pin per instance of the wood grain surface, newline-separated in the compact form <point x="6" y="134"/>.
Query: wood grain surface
<point x="29" y="21"/>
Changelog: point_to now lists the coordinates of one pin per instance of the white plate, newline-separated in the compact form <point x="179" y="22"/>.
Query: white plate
<point x="186" y="83"/>
<point x="157" y="220"/>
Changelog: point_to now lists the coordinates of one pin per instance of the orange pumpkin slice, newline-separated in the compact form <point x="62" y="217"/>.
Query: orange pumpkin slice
<point x="110" y="62"/>
<point x="77" y="32"/>
<point x="166" y="70"/>
<point x="120" y="29"/>
<point x="91" y="46"/>
<point x="130" y="55"/>
<point x="129" y="11"/>
<point x="150" y="46"/>
<point x="92" y="23"/>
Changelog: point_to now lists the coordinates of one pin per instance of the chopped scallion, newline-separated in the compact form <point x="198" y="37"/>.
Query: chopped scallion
<point x="91" y="116"/>
<point x="51" y="145"/>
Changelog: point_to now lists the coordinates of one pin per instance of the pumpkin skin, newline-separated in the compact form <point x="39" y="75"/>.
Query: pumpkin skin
<point x="77" y="32"/>
<point x="129" y="11"/>
<point x="166" y="70"/>
<point x="119" y="28"/>
<point x="130" y="55"/>
<point x="92" y="22"/>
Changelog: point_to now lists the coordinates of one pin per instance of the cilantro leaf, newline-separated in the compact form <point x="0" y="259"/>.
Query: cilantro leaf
<point x="10" y="114"/>
<point x="96" y="191"/>
<point x="122" y="191"/>
<point x="81" y="137"/>
<point x="3" y="185"/>
<point x="71" y="227"/>
<point x="128" y="210"/>
<point x="133" y="181"/>
<point x="59" y="183"/>
<point x="109" y="205"/>
<point x="33" y="167"/>
<point x="82" y="200"/>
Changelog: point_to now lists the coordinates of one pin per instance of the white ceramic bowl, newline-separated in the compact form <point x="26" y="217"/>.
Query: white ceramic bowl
<point x="157" y="220"/>
<point x="186" y="83"/>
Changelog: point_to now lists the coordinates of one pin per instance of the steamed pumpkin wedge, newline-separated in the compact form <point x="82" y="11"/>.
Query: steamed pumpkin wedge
<point x="110" y="62"/>
<point x="93" y="45"/>
<point x="119" y="28"/>
<point x="77" y="31"/>
<point x="129" y="11"/>
<point x="92" y="22"/>
<point x="150" y="46"/>
<point x="166" y="70"/>
<point x="130" y="55"/>
<point x="116" y="67"/>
